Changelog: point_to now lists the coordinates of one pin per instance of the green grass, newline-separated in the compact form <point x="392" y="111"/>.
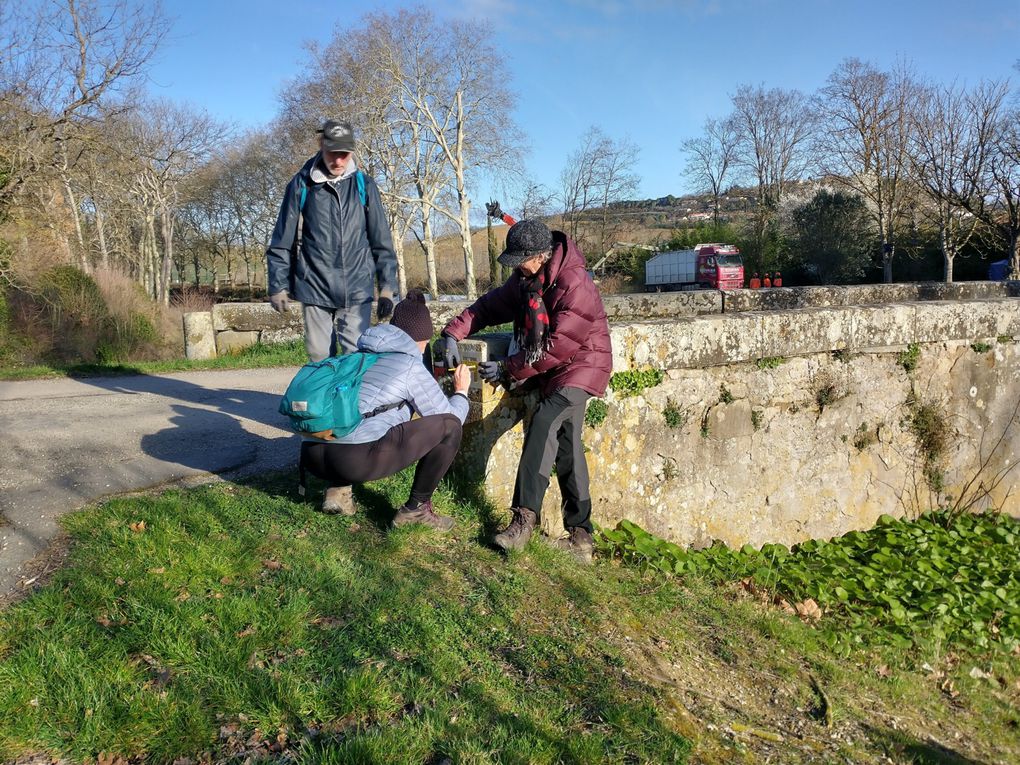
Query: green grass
<point x="190" y="622"/>
<point x="254" y="357"/>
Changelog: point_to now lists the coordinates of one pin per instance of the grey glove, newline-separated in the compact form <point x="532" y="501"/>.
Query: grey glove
<point x="493" y="371"/>
<point x="383" y="308"/>
<point x="445" y="349"/>
<point x="279" y="301"/>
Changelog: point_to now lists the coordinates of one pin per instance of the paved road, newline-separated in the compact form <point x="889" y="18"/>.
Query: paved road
<point x="64" y="443"/>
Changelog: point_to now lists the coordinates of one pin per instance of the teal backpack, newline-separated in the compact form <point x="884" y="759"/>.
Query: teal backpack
<point x="323" y="395"/>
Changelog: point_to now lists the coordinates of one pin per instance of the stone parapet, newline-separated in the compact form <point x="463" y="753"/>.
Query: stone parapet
<point x="786" y="298"/>
<point x="810" y="444"/>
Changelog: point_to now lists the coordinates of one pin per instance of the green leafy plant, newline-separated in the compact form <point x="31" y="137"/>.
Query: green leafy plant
<point x="981" y="347"/>
<point x="674" y="414"/>
<point x="1004" y="339"/>
<point x="951" y="579"/>
<point x="757" y="417"/>
<point x="595" y="413"/>
<point x="769" y="362"/>
<point x="725" y="397"/>
<point x="633" y="381"/>
<point x="909" y="358"/>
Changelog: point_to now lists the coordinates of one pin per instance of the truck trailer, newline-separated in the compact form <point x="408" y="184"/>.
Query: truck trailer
<point x="708" y="266"/>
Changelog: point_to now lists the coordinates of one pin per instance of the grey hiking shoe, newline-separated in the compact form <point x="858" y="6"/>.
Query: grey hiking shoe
<point x="578" y="543"/>
<point x="516" y="535"/>
<point x="423" y="514"/>
<point x="338" y="499"/>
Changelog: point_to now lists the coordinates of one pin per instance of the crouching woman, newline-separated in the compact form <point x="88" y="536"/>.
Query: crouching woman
<point x="386" y="443"/>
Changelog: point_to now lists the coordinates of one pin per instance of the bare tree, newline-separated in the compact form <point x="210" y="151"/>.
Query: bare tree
<point x="711" y="158"/>
<point x="865" y="119"/>
<point x="60" y="63"/>
<point x="942" y="141"/>
<point x="172" y="142"/>
<point x="598" y="173"/>
<point x="773" y="129"/>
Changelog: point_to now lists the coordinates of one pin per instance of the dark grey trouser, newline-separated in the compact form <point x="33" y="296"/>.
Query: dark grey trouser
<point x="329" y="332"/>
<point x="554" y="437"/>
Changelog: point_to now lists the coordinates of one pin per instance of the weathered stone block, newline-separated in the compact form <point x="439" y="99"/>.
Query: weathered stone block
<point x="231" y="342"/>
<point x="285" y="335"/>
<point x="199" y="335"/>
<point x="882" y="326"/>
<point x="247" y="317"/>
<point x="810" y="330"/>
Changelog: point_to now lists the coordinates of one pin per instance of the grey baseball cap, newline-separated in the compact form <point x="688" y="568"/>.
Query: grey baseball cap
<point x="337" y="135"/>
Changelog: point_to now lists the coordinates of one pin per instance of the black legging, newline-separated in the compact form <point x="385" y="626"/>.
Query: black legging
<point x="432" y="441"/>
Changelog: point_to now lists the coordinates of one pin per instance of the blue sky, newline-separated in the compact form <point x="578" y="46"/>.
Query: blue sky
<point x="648" y="70"/>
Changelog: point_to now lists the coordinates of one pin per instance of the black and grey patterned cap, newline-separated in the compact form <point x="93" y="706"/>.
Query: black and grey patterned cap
<point x="337" y="136"/>
<point x="525" y="239"/>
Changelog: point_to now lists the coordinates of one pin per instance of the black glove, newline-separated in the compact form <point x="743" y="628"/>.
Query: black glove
<point x="492" y="208"/>
<point x="383" y="308"/>
<point x="445" y="349"/>
<point x="492" y="371"/>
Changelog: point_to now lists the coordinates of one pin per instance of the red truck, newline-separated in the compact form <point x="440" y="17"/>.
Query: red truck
<point x="708" y="266"/>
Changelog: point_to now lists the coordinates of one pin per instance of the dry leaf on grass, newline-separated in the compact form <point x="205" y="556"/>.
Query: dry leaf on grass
<point x="884" y="671"/>
<point x="137" y="526"/>
<point x="808" y="611"/>
<point x="272" y="565"/>
<point x="246" y="632"/>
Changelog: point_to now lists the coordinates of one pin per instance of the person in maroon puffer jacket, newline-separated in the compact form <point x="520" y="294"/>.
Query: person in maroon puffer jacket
<point x="561" y="338"/>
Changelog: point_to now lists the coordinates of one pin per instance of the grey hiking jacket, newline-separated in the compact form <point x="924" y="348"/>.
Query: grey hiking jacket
<point x="398" y="376"/>
<point x="345" y="246"/>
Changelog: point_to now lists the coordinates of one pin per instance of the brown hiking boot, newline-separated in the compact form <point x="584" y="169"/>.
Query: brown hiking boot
<point x="516" y="535"/>
<point x="423" y="514"/>
<point x="579" y="544"/>
<point x="338" y="499"/>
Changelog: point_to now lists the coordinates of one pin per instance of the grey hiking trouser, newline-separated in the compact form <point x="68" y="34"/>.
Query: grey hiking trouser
<point x="554" y="437"/>
<point x="331" y="332"/>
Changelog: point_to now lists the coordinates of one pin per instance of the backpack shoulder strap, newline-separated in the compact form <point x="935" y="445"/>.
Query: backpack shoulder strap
<point x="359" y="178"/>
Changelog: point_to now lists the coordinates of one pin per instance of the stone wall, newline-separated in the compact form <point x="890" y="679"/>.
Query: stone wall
<point x="788" y="425"/>
<point x="232" y="326"/>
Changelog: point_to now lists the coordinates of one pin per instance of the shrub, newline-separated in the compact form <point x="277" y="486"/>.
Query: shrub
<point x="908" y="359"/>
<point x="674" y="415"/>
<point x="595" y="413"/>
<point x="633" y="381"/>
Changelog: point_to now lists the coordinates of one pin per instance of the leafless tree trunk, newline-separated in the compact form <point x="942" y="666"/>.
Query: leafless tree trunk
<point x="866" y="116"/>
<point x="773" y="128"/>
<point x="941" y="139"/>
<point x="710" y="159"/>
<point x="598" y="174"/>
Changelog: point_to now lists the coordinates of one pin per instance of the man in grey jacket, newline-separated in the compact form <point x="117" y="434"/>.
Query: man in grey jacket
<point x="331" y="246"/>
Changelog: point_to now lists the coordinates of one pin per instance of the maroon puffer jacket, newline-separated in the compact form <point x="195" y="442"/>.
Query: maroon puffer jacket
<point x="580" y="354"/>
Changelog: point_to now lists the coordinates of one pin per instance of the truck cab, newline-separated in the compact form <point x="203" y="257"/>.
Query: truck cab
<point x="719" y="266"/>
